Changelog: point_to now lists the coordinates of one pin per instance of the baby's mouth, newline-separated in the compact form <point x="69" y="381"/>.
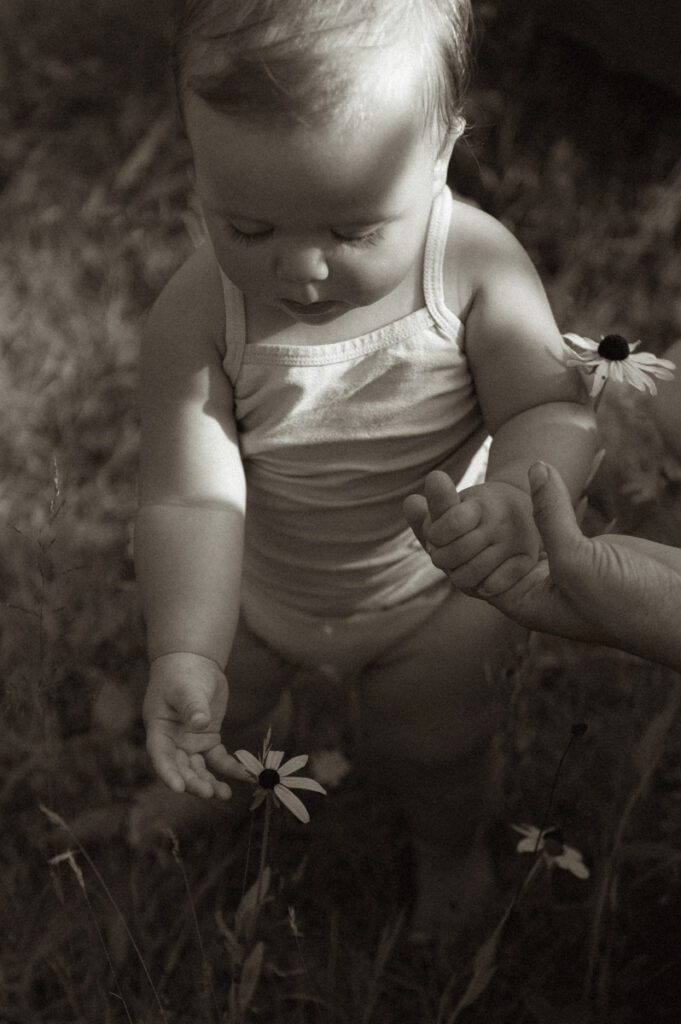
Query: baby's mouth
<point x="303" y="308"/>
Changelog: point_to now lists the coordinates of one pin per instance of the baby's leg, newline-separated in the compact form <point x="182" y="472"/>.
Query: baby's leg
<point x="430" y="709"/>
<point x="258" y="679"/>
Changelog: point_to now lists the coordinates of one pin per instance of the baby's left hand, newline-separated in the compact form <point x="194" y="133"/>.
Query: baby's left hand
<point x="484" y="538"/>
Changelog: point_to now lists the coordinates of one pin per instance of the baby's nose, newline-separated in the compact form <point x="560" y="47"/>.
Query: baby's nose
<point x="302" y="265"/>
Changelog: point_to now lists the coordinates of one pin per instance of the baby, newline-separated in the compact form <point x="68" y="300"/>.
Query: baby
<point x="347" y="327"/>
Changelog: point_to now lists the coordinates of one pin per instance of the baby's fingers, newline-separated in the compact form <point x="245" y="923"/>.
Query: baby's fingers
<point x="458" y="552"/>
<point x="220" y="761"/>
<point x="441" y="493"/>
<point x="457" y="521"/>
<point x="163" y="755"/>
<point x="507" y="575"/>
<point x="415" y="510"/>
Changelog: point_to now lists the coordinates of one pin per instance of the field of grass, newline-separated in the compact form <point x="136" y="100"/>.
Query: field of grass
<point x="585" y="165"/>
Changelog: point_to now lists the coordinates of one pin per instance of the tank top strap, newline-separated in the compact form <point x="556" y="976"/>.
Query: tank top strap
<point x="433" y="262"/>
<point x="235" y="328"/>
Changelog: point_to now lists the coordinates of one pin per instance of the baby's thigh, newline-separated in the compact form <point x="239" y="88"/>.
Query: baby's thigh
<point x="257" y="677"/>
<point x="436" y="695"/>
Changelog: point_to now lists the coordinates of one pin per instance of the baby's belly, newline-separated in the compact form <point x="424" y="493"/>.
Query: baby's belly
<point x="328" y="563"/>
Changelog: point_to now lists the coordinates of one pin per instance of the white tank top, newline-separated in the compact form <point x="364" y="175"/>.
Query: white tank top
<point x="334" y="436"/>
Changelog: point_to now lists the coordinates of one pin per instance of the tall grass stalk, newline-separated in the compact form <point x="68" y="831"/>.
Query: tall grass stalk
<point x="69" y="858"/>
<point x="207" y="969"/>
<point x="647" y="756"/>
<point x="59" y="821"/>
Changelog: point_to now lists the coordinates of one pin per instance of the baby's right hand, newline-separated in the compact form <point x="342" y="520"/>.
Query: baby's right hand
<point x="183" y="709"/>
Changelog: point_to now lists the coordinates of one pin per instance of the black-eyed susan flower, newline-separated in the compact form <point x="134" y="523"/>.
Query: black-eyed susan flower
<point x="613" y="358"/>
<point x="550" y="843"/>
<point x="276" y="780"/>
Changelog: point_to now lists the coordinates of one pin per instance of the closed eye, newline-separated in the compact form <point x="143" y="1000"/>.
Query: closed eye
<point x="367" y="238"/>
<point x="249" y="237"/>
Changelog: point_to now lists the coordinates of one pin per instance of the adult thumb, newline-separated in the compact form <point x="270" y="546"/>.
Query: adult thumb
<point x="553" y="511"/>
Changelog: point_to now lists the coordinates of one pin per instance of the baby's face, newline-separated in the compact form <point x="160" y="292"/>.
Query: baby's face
<point x="318" y="220"/>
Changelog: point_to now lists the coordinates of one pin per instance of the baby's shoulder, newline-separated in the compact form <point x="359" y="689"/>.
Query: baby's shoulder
<point x="190" y="306"/>
<point x="479" y="248"/>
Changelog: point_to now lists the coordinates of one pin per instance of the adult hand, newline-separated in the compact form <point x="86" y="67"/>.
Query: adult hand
<point x="183" y="709"/>
<point x="613" y="589"/>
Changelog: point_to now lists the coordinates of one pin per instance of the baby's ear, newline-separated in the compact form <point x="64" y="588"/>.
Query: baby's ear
<point x="446" y="145"/>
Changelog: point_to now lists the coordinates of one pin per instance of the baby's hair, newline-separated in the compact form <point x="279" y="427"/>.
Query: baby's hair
<point x="288" y="59"/>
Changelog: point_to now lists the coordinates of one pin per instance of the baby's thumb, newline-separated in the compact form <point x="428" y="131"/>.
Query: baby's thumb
<point x="193" y="707"/>
<point x="552" y="507"/>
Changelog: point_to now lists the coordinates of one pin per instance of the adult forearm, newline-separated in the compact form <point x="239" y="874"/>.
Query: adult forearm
<point x="188" y="564"/>
<point x="560" y="433"/>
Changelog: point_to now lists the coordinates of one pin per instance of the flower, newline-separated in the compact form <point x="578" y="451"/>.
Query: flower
<point x="329" y="767"/>
<point x="550" y="842"/>
<point x="613" y="358"/>
<point x="276" y="779"/>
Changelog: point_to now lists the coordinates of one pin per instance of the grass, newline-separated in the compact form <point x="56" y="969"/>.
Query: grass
<point x="95" y="177"/>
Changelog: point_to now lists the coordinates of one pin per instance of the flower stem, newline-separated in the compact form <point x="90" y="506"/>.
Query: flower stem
<point x="576" y="731"/>
<point x="263" y="851"/>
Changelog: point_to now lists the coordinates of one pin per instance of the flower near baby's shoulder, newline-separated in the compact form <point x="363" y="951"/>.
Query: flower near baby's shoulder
<point x="613" y="358"/>
<point x="275" y="780"/>
<point x="329" y="767"/>
<point x="549" y="842"/>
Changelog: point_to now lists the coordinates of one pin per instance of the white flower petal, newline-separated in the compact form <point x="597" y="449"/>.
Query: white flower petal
<point x="273" y="759"/>
<point x="571" y="860"/>
<point x="290" y="800"/>
<point x="648" y="359"/>
<point x="298" y="782"/>
<point x="638" y="379"/>
<point x="599" y="379"/>
<point x="257" y="799"/>
<point x="530" y="845"/>
<point x="294" y="764"/>
<point x="250" y="763"/>
<point x="587" y="359"/>
<point x="532" y="841"/>
<point x="587" y="344"/>
<point x="526" y="830"/>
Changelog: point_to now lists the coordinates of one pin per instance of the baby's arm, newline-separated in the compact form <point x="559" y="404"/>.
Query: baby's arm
<point x="533" y="405"/>
<point x="189" y="530"/>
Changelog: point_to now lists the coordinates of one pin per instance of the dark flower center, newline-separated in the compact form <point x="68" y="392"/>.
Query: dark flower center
<point x="268" y="778"/>
<point x="614" y="346"/>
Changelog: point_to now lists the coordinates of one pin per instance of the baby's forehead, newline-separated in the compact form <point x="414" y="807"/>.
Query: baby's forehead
<point x="305" y="70"/>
